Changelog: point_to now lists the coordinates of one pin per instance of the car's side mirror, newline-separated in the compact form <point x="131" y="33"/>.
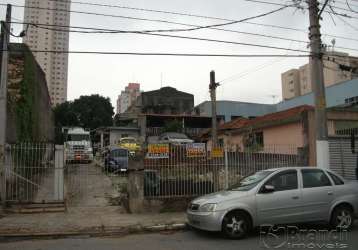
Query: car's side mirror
<point x="268" y="189"/>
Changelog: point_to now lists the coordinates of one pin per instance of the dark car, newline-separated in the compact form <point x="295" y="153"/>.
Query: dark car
<point x="116" y="160"/>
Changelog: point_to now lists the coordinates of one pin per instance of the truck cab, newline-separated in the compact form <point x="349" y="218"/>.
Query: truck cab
<point x="78" y="146"/>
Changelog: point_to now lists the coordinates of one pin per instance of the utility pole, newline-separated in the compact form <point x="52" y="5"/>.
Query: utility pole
<point x="212" y="87"/>
<point x="4" y="41"/>
<point x="316" y="66"/>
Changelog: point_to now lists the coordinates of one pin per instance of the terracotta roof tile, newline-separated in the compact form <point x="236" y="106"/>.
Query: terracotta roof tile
<point x="234" y="124"/>
<point x="282" y="115"/>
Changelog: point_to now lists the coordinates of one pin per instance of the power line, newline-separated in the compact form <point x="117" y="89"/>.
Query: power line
<point x="190" y="15"/>
<point x="177" y="36"/>
<point x="344" y="3"/>
<point x="350" y="7"/>
<point x="165" y="21"/>
<point x="156" y="20"/>
<point x="300" y="7"/>
<point x="192" y="25"/>
<point x="92" y="30"/>
<point x="217" y="25"/>
<point x="156" y="53"/>
<point x="222" y="24"/>
<point x="247" y="72"/>
<point x="344" y="21"/>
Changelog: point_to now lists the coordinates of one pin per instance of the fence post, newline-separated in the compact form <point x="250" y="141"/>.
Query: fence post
<point x="59" y="176"/>
<point x="226" y="169"/>
<point x="2" y="176"/>
<point x="135" y="186"/>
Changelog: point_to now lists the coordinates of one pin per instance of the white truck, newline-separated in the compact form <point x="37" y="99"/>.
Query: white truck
<point x="78" y="146"/>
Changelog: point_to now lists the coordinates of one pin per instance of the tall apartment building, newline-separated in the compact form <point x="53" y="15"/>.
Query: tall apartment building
<point x="128" y="97"/>
<point x="55" y="65"/>
<point x="296" y="82"/>
<point x="292" y="86"/>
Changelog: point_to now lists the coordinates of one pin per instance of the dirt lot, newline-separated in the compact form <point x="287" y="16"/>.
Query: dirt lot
<point x="86" y="185"/>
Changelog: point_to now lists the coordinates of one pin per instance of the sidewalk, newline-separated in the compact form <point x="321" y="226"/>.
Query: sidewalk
<point x="88" y="221"/>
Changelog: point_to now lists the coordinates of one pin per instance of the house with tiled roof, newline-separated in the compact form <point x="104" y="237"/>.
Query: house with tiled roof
<point x="288" y="132"/>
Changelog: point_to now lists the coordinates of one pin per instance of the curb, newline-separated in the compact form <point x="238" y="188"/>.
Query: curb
<point x="94" y="232"/>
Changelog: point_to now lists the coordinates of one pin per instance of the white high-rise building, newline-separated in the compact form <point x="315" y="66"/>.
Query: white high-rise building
<point x="55" y="65"/>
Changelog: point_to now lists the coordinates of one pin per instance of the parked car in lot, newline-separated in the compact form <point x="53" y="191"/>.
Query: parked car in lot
<point x="175" y="139"/>
<point x="131" y="144"/>
<point x="116" y="159"/>
<point x="277" y="196"/>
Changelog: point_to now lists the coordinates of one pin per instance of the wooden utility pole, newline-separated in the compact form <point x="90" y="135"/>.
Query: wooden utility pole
<point x="4" y="42"/>
<point x="316" y="66"/>
<point x="212" y="87"/>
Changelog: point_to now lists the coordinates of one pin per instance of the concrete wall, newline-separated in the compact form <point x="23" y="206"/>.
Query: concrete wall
<point x="284" y="136"/>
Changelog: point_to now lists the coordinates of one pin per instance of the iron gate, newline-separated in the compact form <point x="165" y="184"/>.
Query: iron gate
<point x="342" y="160"/>
<point x="33" y="173"/>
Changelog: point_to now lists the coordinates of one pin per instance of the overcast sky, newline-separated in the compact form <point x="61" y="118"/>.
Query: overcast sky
<point x="260" y="77"/>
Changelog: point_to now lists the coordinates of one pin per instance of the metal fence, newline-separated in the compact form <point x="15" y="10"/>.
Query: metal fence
<point x="346" y="131"/>
<point x="342" y="160"/>
<point x="33" y="173"/>
<point x="182" y="172"/>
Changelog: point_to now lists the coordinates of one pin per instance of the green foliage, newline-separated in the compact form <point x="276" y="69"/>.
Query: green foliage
<point x="65" y="115"/>
<point x="173" y="126"/>
<point x="89" y="112"/>
<point x="26" y="116"/>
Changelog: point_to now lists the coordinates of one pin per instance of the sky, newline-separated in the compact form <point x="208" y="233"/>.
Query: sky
<point x="251" y="79"/>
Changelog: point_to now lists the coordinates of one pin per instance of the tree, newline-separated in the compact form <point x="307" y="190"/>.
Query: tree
<point x="89" y="112"/>
<point x="65" y="115"/>
<point x="93" y="111"/>
<point x="173" y="126"/>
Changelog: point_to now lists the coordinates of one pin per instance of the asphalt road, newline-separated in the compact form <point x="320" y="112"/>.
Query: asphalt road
<point x="188" y="240"/>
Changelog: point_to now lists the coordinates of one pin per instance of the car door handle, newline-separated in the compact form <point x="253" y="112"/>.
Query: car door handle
<point x="330" y="193"/>
<point x="295" y="197"/>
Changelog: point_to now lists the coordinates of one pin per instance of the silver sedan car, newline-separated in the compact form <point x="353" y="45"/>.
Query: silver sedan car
<point x="277" y="196"/>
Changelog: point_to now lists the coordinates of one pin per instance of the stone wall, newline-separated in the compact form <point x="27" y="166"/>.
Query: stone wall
<point x="30" y="116"/>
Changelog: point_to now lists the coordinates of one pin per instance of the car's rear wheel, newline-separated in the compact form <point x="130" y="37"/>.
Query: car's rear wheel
<point x="236" y="225"/>
<point x="342" y="218"/>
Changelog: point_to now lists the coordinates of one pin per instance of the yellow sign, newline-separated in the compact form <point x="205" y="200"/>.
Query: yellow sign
<point x="158" y="151"/>
<point x="217" y="153"/>
<point x="195" y="150"/>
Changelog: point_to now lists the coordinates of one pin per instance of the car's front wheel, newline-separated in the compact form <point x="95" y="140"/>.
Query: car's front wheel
<point x="236" y="225"/>
<point x="342" y="218"/>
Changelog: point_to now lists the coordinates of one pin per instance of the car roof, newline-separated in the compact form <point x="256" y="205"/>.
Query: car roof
<point x="295" y="167"/>
<point x="128" y="138"/>
<point x="116" y="147"/>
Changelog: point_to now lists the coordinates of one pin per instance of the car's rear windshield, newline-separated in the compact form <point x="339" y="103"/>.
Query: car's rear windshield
<point x="118" y="153"/>
<point x="251" y="181"/>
